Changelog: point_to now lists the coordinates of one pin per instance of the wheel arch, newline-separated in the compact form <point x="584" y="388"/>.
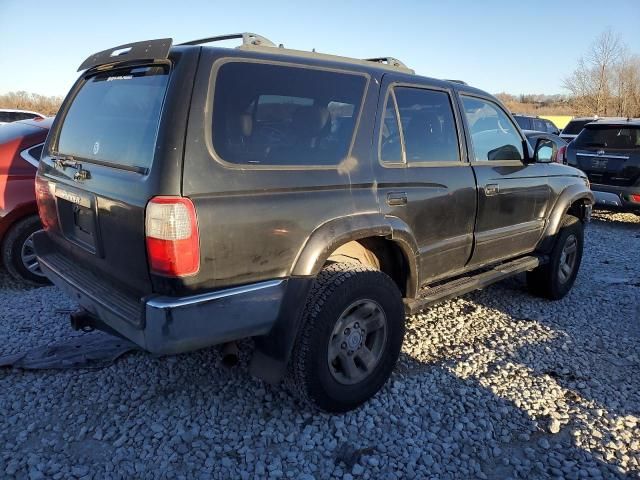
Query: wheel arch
<point x="388" y="238"/>
<point x="575" y="200"/>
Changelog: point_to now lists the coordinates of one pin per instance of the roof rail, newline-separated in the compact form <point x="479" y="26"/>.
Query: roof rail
<point x="248" y="39"/>
<point x="461" y="82"/>
<point x="390" y="61"/>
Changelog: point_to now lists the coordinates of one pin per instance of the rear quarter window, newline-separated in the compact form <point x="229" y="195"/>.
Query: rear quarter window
<point x="268" y="114"/>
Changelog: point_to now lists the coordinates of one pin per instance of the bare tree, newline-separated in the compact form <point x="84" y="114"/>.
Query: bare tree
<point x="592" y="82"/>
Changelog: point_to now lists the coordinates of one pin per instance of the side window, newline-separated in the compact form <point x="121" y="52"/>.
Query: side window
<point x="390" y="139"/>
<point x="493" y="135"/>
<point x="523" y="122"/>
<point x="539" y="125"/>
<point x="428" y="125"/>
<point x="266" y="114"/>
<point x="551" y="128"/>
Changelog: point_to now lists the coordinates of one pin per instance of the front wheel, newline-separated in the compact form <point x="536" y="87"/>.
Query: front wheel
<point x="350" y="338"/>
<point x="554" y="279"/>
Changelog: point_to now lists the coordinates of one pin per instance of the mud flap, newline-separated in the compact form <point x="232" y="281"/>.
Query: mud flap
<point x="272" y="351"/>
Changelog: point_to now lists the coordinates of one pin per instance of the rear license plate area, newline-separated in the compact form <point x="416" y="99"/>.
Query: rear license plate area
<point x="77" y="217"/>
<point x="599" y="163"/>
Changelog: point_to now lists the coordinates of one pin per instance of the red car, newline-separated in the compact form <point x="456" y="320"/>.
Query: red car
<point x="20" y="148"/>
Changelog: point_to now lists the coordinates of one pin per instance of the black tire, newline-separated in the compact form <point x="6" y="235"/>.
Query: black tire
<point x="545" y="281"/>
<point x="337" y="287"/>
<point x="12" y="247"/>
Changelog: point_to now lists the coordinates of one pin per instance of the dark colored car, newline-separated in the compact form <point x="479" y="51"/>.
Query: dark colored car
<point x="8" y="115"/>
<point x="20" y="147"/>
<point x="538" y="124"/>
<point x="559" y="146"/>
<point x="193" y="196"/>
<point x="608" y="151"/>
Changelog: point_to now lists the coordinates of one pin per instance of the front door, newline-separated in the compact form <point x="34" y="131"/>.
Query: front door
<point x="512" y="194"/>
<point x="423" y="177"/>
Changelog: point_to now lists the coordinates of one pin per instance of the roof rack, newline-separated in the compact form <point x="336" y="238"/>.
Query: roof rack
<point x="461" y="82"/>
<point x="389" y="61"/>
<point x="248" y="39"/>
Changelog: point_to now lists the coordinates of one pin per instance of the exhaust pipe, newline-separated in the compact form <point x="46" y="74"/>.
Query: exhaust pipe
<point x="230" y="354"/>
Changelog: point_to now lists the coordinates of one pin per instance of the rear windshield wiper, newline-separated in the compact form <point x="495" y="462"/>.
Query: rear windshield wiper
<point x="61" y="161"/>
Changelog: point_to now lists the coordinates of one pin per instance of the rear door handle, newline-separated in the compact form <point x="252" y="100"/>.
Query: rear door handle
<point x="396" y="199"/>
<point x="491" y="189"/>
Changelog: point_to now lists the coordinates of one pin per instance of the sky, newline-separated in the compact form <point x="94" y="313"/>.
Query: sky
<point x="496" y="45"/>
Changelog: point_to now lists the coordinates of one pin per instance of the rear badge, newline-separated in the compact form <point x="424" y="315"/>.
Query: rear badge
<point x="96" y="148"/>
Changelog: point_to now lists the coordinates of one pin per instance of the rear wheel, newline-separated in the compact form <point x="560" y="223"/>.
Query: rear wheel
<point x="555" y="279"/>
<point x="18" y="254"/>
<point x="350" y="338"/>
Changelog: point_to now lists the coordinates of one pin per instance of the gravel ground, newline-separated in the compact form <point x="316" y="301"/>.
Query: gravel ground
<point x="496" y="384"/>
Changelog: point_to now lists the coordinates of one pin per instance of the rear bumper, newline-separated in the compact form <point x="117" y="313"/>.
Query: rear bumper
<point x="167" y="325"/>
<point x="615" y="198"/>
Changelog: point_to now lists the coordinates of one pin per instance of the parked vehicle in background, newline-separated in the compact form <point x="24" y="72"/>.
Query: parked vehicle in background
<point x="574" y="127"/>
<point x="21" y="144"/>
<point x="559" y="146"/>
<point x="608" y="151"/>
<point x="8" y="115"/>
<point x="527" y="122"/>
<point x="303" y="199"/>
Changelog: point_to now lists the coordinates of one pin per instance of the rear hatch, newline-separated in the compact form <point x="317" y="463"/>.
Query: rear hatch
<point x="117" y="142"/>
<point x="608" y="154"/>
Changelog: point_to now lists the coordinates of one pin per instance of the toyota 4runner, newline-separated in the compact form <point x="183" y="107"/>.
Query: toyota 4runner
<point x="193" y="196"/>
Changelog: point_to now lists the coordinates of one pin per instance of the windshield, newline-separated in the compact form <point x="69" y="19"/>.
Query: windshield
<point x="574" y="127"/>
<point x="114" y="117"/>
<point x="611" y="136"/>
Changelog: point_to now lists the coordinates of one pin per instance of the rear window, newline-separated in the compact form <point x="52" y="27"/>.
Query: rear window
<point x="114" y="117"/>
<point x="610" y="136"/>
<point x="575" y="126"/>
<point x="280" y="115"/>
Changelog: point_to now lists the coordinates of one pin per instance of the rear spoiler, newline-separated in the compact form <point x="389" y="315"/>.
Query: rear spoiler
<point x="147" y="50"/>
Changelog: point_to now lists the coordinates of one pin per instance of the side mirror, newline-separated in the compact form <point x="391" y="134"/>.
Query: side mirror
<point x="545" y="151"/>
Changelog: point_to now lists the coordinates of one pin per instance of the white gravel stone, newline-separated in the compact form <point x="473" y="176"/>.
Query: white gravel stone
<point x="496" y="384"/>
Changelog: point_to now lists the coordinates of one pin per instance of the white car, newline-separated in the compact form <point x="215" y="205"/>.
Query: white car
<point x="8" y="115"/>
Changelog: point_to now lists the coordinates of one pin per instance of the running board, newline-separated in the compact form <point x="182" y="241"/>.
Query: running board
<point x="430" y="295"/>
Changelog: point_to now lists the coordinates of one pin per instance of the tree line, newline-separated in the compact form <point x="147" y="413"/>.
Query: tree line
<point x="606" y="82"/>
<point x="30" y="101"/>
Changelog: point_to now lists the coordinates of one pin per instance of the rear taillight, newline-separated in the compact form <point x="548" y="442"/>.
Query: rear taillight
<point x="561" y="155"/>
<point x="635" y="198"/>
<point x="45" y="202"/>
<point x="173" y="241"/>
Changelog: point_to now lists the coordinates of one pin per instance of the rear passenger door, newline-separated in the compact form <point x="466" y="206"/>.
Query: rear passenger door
<point x="423" y="177"/>
<point x="512" y="195"/>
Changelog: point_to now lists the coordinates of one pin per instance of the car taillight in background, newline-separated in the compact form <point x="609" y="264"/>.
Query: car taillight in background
<point x="46" y="203"/>
<point x="173" y="240"/>
<point x="561" y="155"/>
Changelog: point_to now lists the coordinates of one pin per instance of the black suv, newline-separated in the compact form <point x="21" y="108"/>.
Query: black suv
<point x="194" y="195"/>
<point x="538" y="124"/>
<point x="608" y="151"/>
